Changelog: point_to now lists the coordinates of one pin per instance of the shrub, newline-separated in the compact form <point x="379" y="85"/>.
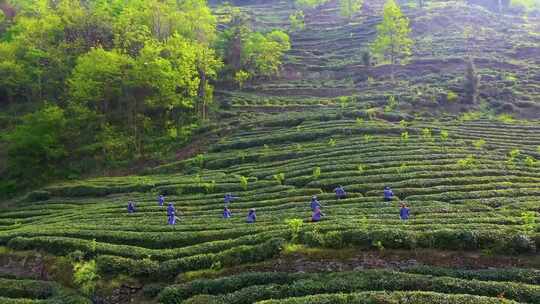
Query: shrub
<point x="25" y="289"/>
<point x="280" y="178"/>
<point x="244" y="182"/>
<point x="529" y="219"/>
<point x="444" y="136"/>
<point x="295" y="228"/>
<point x="296" y="20"/>
<point x="316" y="172"/>
<point x="426" y="134"/>
<point x="479" y="144"/>
<point x="521" y="243"/>
<point x="85" y="276"/>
<point x="332" y="142"/>
<point x="451" y="96"/>
<point x="405" y="137"/>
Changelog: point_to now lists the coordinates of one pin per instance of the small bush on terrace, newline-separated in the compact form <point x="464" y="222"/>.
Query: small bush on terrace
<point x="529" y="219"/>
<point x="316" y="172"/>
<point x="244" y="182"/>
<point x="295" y="228"/>
<point x="86" y="276"/>
<point x="280" y="178"/>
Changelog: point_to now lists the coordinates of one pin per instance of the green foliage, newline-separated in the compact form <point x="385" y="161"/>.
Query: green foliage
<point x="405" y="137"/>
<point x="199" y="160"/>
<point x="332" y="142"/>
<point x="467" y="163"/>
<point x="280" y="178"/>
<point x="368" y="138"/>
<point x="37" y="147"/>
<point x="343" y="101"/>
<point x="506" y="118"/>
<point x="427" y="134"/>
<point x="402" y="168"/>
<point x="263" y="53"/>
<point x="244" y="182"/>
<point x="85" y="276"/>
<point x="296" y="21"/>
<point x="531" y="161"/>
<point x="131" y="76"/>
<point x="479" y="144"/>
<point x="512" y="156"/>
<point x="392" y="104"/>
<point x="240" y="77"/>
<point x="364" y="223"/>
<point x="403" y="124"/>
<point x="209" y="187"/>
<point x="444" y="136"/>
<point x="379" y="245"/>
<point x="530" y="222"/>
<point x="393" y="41"/>
<point x="350" y="7"/>
<point x="255" y="53"/>
<point x="295" y="228"/>
<point x="316" y="172"/>
<point x="451" y="96"/>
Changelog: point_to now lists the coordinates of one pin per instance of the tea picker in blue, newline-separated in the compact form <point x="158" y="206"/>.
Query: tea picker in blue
<point x="388" y="194"/>
<point x="171" y="214"/>
<point x="315" y="203"/>
<point x="226" y="213"/>
<point x="340" y="192"/>
<point x="251" y="217"/>
<point x="131" y="207"/>
<point x="317" y="215"/>
<point x="161" y="200"/>
<point x="404" y="212"/>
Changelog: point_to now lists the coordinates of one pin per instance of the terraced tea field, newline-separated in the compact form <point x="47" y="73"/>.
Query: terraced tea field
<point x="471" y="185"/>
<point x="325" y="64"/>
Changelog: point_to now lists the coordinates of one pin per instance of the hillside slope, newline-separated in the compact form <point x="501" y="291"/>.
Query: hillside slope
<point x="463" y="196"/>
<point x="325" y="61"/>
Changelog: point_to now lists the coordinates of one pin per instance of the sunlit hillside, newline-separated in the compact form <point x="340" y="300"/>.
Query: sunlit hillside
<point x="269" y="152"/>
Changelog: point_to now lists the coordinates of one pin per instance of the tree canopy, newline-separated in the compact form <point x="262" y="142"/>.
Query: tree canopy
<point x="128" y="78"/>
<point x="393" y="41"/>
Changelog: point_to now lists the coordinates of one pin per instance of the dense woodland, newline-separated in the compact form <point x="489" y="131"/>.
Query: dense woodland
<point x="114" y="81"/>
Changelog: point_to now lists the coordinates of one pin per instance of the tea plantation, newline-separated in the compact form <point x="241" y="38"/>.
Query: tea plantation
<point x="471" y="185"/>
<point x="469" y="173"/>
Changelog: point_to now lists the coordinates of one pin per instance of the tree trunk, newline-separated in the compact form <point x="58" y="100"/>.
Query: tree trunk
<point x="202" y="93"/>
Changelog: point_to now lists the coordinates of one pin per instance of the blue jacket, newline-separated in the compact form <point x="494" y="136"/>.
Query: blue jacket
<point x="340" y="191"/>
<point x="252" y="217"/>
<point x="315" y="204"/>
<point x="171" y="210"/>
<point x="404" y="213"/>
<point x="227" y="213"/>
<point x="388" y="193"/>
<point x="131" y="208"/>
